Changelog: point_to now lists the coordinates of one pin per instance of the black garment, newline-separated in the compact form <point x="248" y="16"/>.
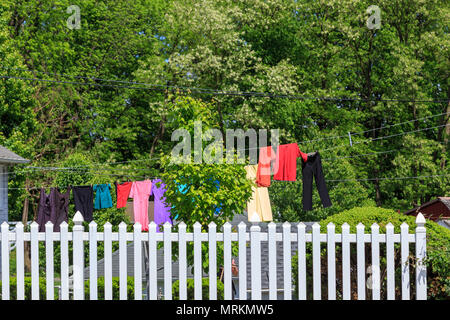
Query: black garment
<point x="53" y="207"/>
<point x="84" y="201"/>
<point x="313" y="167"/>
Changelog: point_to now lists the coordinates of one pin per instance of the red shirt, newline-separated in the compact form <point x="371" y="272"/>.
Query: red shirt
<point x="123" y="191"/>
<point x="266" y="155"/>
<point x="286" y="162"/>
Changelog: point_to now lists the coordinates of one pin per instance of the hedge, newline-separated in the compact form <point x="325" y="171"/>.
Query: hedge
<point x="190" y="289"/>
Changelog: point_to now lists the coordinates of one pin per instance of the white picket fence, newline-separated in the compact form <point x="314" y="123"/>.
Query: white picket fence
<point x="80" y="238"/>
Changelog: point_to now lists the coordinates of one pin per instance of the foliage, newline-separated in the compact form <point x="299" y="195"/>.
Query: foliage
<point x="115" y="288"/>
<point x="438" y="255"/>
<point x="27" y="288"/>
<point x="190" y="289"/>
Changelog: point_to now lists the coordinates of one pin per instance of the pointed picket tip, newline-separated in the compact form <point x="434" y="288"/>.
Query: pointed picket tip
<point x="19" y="224"/>
<point x="330" y="225"/>
<point x="404" y="225"/>
<point x="48" y="224"/>
<point x="212" y="224"/>
<point x="420" y="219"/>
<point x="273" y="225"/>
<point x="375" y="226"/>
<point x="137" y="226"/>
<point x="152" y="223"/>
<point x="5" y="224"/>
<point x="316" y="225"/>
<point x="107" y="225"/>
<point x="182" y="224"/>
<point x="122" y="225"/>
<point x="389" y="226"/>
<point x="242" y="225"/>
<point x="227" y="226"/>
<point x="92" y="224"/>
<point x="167" y="226"/>
<point x="34" y="224"/>
<point x="197" y="225"/>
<point x="78" y="218"/>
<point x="360" y="226"/>
<point x="301" y="225"/>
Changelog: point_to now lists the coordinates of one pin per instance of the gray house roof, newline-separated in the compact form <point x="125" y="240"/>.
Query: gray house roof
<point x="7" y="156"/>
<point x="175" y="271"/>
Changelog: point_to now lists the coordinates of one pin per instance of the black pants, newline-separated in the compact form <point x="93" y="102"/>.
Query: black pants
<point x="313" y="167"/>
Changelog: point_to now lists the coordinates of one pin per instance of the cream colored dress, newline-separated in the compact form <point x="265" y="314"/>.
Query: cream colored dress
<point x="258" y="207"/>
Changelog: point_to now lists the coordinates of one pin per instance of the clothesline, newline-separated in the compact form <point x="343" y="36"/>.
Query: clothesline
<point x="277" y="181"/>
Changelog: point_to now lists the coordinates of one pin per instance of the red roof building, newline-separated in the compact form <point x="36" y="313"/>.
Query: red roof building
<point x="437" y="209"/>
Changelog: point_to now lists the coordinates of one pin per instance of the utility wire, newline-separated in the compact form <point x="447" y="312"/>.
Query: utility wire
<point x="379" y="128"/>
<point x="222" y="93"/>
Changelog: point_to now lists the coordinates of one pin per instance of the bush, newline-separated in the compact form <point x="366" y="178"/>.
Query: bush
<point x="115" y="289"/>
<point x="27" y="286"/>
<point x="190" y="289"/>
<point x="437" y="261"/>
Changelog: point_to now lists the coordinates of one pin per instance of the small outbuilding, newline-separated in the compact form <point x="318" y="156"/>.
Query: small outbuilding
<point x="437" y="210"/>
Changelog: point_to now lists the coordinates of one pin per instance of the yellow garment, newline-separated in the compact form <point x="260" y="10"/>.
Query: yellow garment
<point x="258" y="207"/>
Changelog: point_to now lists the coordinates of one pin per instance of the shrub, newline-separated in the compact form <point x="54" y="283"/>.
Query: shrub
<point x="27" y="287"/>
<point x="190" y="289"/>
<point x="115" y="289"/>
<point x="437" y="261"/>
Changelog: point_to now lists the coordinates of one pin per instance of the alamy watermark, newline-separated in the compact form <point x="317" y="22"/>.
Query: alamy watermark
<point x="74" y="21"/>
<point x="213" y="153"/>
<point x="374" y="20"/>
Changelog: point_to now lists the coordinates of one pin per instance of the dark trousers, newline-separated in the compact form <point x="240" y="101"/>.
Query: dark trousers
<point x="313" y="167"/>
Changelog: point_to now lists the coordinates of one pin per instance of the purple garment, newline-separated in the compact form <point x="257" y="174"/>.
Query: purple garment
<point x="162" y="210"/>
<point x="53" y="207"/>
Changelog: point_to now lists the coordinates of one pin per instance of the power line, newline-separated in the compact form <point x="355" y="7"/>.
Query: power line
<point x="221" y="92"/>
<point x="379" y="128"/>
<point x="386" y="137"/>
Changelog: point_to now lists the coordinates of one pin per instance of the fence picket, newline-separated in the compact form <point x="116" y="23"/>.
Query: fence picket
<point x="242" y="261"/>
<point x="301" y="240"/>
<point x="331" y="253"/>
<point x="346" y="261"/>
<point x="272" y="260"/>
<point x="123" y="261"/>
<point x="64" y="241"/>
<point x="5" y="260"/>
<point x="107" y="260"/>
<point x="212" y="253"/>
<point x="227" y="261"/>
<point x="78" y="257"/>
<point x="421" y="253"/>
<point x="49" y="265"/>
<point x="152" y="262"/>
<point x="34" y="229"/>
<point x="375" y="262"/>
<point x="390" y="268"/>
<point x="197" y="262"/>
<point x="20" y="266"/>
<point x="404" y="242"/>
<point x="167" y="261"/>
<point x="361" y="262"/>
<point x="93" y="287"/>
<point x="137" y="245"/>
<point x="317" y="294"/>
<point x="255" y="245"/>
<point x="182" y="267"/>
<point x="287" y="261"/>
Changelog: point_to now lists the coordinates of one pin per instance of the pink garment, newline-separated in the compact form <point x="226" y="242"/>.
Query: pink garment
<point x="140" y="192"/>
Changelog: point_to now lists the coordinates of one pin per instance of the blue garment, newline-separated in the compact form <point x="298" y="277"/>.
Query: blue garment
<point x="102" y="196"/>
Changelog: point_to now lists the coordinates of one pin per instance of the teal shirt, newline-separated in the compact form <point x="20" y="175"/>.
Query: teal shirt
<point x="102" y="196"/>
